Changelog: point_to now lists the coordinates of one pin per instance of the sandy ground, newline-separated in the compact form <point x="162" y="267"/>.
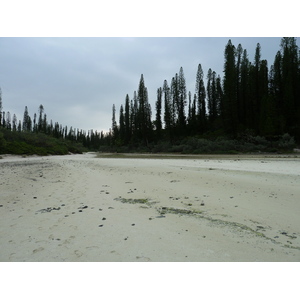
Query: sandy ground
<point x="83" y="208"/>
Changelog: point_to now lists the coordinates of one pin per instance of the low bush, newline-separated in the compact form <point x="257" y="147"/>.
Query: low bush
<point x="13" y="142"/>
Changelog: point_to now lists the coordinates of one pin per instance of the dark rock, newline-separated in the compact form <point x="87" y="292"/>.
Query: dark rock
<point x="103" y="219"/>
<point x="100" y="225"/>
<point x="83" y="207"/>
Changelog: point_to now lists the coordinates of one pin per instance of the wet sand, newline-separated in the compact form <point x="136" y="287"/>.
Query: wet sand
<point x="151" y="209"/>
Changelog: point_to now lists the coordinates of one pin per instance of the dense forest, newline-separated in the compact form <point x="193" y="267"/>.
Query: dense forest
<point x="250" y="108"/>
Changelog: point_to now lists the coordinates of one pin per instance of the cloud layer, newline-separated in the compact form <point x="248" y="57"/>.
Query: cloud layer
<point x="79" y="79"/>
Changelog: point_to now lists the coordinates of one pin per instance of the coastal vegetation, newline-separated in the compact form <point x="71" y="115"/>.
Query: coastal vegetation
<point x="251" y="108"/>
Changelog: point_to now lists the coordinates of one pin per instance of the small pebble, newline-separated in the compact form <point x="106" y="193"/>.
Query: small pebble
<point x="132" y="224"/>
<point x="103" y="219"/>
<point x="80" y="210"/>
<point x="101" y="225"/>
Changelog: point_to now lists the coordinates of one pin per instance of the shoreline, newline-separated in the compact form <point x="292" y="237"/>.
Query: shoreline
<point x="84" y="208"/>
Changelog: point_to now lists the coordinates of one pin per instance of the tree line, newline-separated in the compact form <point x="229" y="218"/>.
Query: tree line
<point x="39" y="124"/>
<point x="249" y="100"/>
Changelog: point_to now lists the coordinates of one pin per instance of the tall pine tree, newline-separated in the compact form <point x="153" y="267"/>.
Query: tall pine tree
<point x="229" y="89"/>
<point x="200" y="96"/>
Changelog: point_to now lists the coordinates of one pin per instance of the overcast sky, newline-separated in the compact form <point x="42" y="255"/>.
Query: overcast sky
<point x="77" y="80"/>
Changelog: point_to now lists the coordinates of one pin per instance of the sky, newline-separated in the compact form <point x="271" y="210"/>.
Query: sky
<point x="77" y="80"/>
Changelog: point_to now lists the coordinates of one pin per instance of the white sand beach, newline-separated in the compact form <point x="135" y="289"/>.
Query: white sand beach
<point x="189" y="209"/>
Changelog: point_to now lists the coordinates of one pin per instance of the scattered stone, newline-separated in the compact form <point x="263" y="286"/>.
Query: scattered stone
<point x="110" y="207"/>
<point x="100" y="225"/>
<point x="202" y="203"/>
<point x="100" y="209"/>
<point x="66" y="215"/>
<point x="80" y="210"/>
<point x="63" y="205"/>
<point x="103" y="219"/>
<point x="34" y="197"/>
<point x="1" y="205"/>
<point x="132" y="224"/>
<point x="284" y="233"/>
<point x="73" y="212"/>
<point x="276" y="237"/>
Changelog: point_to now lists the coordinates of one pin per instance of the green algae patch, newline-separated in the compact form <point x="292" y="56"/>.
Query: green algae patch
<point x="134" y="201"/>
<point x="180" y="211"/>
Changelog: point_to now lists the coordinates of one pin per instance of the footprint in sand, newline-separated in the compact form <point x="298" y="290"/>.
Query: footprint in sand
<point x="38" y="250"/>
<point x="143" y="258"/>
<point x="78" y="253"/>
